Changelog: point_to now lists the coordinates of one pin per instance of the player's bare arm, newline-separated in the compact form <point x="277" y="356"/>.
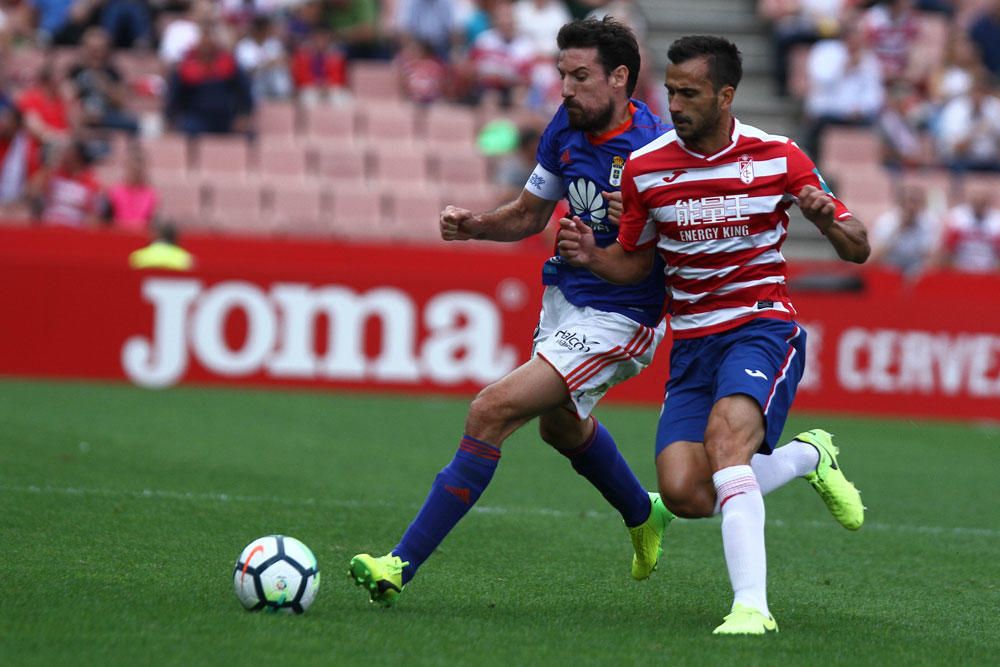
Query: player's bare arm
<point x="848" y="237"/>
<point x="612" y="263"/>
<point x="516" y="220"/>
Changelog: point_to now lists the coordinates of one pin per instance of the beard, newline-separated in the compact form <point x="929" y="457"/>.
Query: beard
<point x="594" y="122"/>
<point x="693" y="130"/>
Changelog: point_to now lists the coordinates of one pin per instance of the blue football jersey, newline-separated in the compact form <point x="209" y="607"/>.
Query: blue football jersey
<point x="579" y="167"/>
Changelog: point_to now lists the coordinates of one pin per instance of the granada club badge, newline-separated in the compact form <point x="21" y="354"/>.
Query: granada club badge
<point x="617" y="167"/>
<point x="746" y="169"/>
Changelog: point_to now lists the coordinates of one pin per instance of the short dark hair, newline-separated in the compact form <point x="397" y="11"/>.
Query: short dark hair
<point x="615" y="43"/>
<point x="725" y="64"/>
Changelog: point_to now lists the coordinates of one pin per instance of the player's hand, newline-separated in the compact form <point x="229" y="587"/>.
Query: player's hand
<point x="451" y="223"/>
<point x="575" y="241"/>
<point x="817" y="206"/>
<point x="614" y="201"/>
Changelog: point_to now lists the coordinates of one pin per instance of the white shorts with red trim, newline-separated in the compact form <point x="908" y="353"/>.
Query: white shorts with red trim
<point x="592" y="349"/>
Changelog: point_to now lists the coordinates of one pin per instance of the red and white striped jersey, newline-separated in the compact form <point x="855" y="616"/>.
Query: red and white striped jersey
<point x="719" y="222"/>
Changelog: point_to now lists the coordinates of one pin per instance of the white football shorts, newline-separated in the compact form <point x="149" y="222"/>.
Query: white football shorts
<point x="592" y="349"/>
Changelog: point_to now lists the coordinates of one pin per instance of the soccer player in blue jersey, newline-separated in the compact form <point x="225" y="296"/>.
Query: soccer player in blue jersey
<point x="591" y="334"/>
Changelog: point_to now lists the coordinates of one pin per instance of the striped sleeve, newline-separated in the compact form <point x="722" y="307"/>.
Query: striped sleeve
<point x="637" y="229"/>
<point x="802" y="172"/>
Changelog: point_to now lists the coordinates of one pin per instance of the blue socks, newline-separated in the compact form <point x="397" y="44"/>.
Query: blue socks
<point x="454" y="491"/>
<point x="602" y="464"/>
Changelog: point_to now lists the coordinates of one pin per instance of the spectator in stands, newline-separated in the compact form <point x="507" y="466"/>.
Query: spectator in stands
<point x="625" y="11"/>
<point x="355" y="25"/>
<point x="132" y="204"/>
<point x="128" y="22"/>
<point x="905" y="236"/>
<point x="891" y="28"/>
<point x="968" y="131"/>
<point x="539" y="21"/>
<point x="303" y="19"/>
<point x="60" y="21"/>
<point x="514" y="168"/>
<point x="953" y="76"/>
<point x="985" y="32"/>
<point x="182" y="33"/>
<point x="164" y="253"/>
<point x="20" y="158"/>
<point x="795" y="22"/>
<point x="845" y="87"/>
<point x="972" y="236"/>
<point x="432" y="22"/>
<point x="65" y="191"/>
<point x="900" y="126"/>
<point x="501" y="59"/>
<point x="474" y="21"/>
<point x="99" y="85"/>
<point x="319" y="69"/>
<point x="423" y="75"/>
<point x="45" y="107"/>
<point x="262" y="56"/>
<point x="208" y="92"/>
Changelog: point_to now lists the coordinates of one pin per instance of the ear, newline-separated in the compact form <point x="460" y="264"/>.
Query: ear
<point x="619" y="77"/>
<point x="726" y="97"/>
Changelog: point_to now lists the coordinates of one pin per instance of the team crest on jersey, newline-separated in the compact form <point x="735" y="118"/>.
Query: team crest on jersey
<point x="617" y="167"/>
<point x="746" y="169"/>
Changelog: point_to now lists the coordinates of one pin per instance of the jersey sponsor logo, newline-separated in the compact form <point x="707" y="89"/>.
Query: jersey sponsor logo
<point x="297" y="330"/>
<point x="711" y="210"/>
<point x="755" y="373"/>
<point x="674" y="176"/>
<point x="746" y="169"/>
<point x="573" y="341"/>
<point x="617" y="167"/>
<point x="586" y="200"/>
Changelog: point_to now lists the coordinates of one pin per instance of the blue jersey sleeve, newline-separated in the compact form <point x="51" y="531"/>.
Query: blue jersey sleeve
<point x="548" y="145"/>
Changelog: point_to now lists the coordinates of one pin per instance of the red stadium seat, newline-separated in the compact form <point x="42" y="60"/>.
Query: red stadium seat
<point x="398" y="164"/>
<point x="393" y="124"/>
<point x="340" y="163"/>
<point x="277" y="119"/>
<point x="413" y="214"/>
<point x="235" y="206"/>
<point x="450" y="124"/>
<point x="850" y="146"/>
<point x="460" y="167"/>
<point x="285" y="159"/>
<point x="331" y="121"/>
<point x="374" y="80"/>
<point x="168" y="155"/>
<point x="181" y="202"/>
<point x="355" y="213"/>
<point x="223" y="154"/>
<point x="297" y="209"/>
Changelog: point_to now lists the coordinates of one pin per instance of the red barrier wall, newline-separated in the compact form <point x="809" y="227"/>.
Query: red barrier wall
<point x="439" y="319"/>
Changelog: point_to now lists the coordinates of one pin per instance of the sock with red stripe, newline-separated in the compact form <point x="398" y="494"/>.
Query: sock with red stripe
<point x="743" y="535"/>
<point x="454" y="491"/>
<point x="784" y="464"/>
<point x="602" y="464"/>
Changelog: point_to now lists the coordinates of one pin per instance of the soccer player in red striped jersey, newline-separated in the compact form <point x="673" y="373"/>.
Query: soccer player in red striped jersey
<point x="711" y="197"/>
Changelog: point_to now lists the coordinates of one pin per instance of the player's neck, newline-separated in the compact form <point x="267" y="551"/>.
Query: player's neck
<point x="715" y="141"/>
<point x="622" y="114"/>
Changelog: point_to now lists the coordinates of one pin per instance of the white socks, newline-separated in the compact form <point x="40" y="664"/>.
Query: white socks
<point x="742" y="508"/>
<point x="785" y="463"/>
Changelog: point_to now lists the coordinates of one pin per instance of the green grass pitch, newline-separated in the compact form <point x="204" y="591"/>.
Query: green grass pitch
<point x="123" y="511"/>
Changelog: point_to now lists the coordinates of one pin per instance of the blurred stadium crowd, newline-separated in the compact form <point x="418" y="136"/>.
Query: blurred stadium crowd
<point x="899" y="105"/>
<point x="361" y="118"/>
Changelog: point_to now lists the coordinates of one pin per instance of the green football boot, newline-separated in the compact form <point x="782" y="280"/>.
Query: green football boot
<point x="744" y="620"/>
<point x="647" y="538"/>
<point x="382" y="576"/>
<point x="840" y="496"/>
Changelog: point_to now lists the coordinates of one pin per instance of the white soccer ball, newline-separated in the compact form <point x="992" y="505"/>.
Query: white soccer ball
<point x="276" y="573"/>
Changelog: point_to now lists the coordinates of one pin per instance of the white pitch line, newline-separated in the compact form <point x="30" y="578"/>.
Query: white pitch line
<point x="159" y="494"/>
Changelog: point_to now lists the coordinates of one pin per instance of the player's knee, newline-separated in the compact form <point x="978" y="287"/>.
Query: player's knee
<point x="490" y="417"/>
<point x="687" y="500"/>
<point x="564" y="432"/>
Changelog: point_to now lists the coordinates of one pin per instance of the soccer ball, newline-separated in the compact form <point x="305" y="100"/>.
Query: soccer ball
<point x="276" y="573"/>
